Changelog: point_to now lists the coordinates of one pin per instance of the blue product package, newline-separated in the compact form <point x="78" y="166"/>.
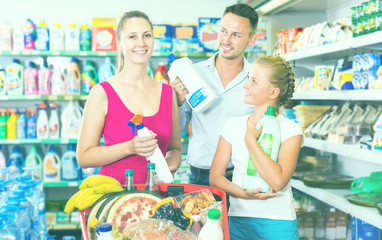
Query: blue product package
<point x="162" y="37"/>
<point x="208" y="30"/>
<point x="357" y="63"/>
<point x="366" y="231"/>
<point x="371" y="62"/>
<point x="185" y="38"/>
<point x="357" y="79"/>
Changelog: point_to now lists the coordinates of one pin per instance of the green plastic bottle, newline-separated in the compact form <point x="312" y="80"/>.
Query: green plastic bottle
<point x="35" y="160"/>
<point x="269" y="141"/>
<point x="3" y="125"/>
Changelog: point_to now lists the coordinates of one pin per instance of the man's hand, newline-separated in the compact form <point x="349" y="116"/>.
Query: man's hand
<point x="180" y="90"/>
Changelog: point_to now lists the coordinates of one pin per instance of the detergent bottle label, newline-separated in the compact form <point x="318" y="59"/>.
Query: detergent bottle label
<point x="13" y="80"/>
<point x="197" y="97"/>
<point x="72" y="84"/>
<point x="251" y="169"/>
<point x="2" y="83"/>
<point x="69" y="168"/>
<point x="266" y="143"/>
<point x="51" y="172"/>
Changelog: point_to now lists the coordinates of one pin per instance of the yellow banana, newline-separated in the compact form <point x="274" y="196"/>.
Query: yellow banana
<point x="69" y="207"/>
<point x="88" y="201"/>
<point x="84" y="194"/>
<point x="85" y="182"/>
<point x="107" y="188"/>
<point x="103" y="180"/>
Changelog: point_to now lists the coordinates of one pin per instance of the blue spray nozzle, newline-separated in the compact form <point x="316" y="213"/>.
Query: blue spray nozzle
<point x="140" y="126"/>
<point x="172" y="57"/>
<point x="132" y="125"/>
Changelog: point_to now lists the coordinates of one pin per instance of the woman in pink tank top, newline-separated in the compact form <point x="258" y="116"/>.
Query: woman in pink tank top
<point x="112" y="103"/>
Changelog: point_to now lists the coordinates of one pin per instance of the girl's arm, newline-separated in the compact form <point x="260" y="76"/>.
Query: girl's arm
<point x="89" y="153"/>
<point x="174" y="151"/>
<point x="277" y="175"/>
<point x="218" y="179"/>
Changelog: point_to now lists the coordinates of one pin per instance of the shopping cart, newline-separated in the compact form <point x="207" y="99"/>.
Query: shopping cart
<point x="187" y="188"/>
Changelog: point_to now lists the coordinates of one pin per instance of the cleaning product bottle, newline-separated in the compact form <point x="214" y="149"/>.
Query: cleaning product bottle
<point x="42" y="36"/>
<point x="57" y="42"/>
<point x="72" y="38"/>
<point x="29" y="34"/>
<point x="70" y="121"/>
<point x="107" y="70"/>
<point x="85" y="38"/>
<point x="163" y="172"/>
<point x="5" y="37"/>
<point x="58" y="82"/>
<point x="12" y="124"/>
<point x="35" y="160"/>
<point x="31" y="79"/>
<point x="42" y="122"/>
<point x="32" y="124"/>
<point x="15" y="78"/>
<point x="54" y="124"/>
<point x="44" y="79"/>
<point x="51" y="166"/>
<point x="150" y="70"/>
<point x="89" y="77"/>
<point x="3" y="82"/>
<point x="200" y="96"/>
<point x="18" y="38"/>
<point x="269" y="141"/>
<point x="21" y="125"/>
<point x="3" y="124"/>
<point x="3" y="162"/>
<point x="377" y="139"/>
<point x="70" y="170"/>
<point x="212" y="229"/>
<point x="73" y="78"/>
<point x="15" y="161"/>
<point x="161" y="73"/>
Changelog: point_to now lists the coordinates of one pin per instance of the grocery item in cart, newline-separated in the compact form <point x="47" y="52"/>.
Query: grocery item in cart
<point x="195" y="201"/>
<point x="149" y="228"/>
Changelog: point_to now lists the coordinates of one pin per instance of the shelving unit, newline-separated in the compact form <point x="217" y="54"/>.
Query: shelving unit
<point x="40" y="141"/>
<point x="63" y="184"/>
<point x="347" y="95"/>
<point x="336" y="198"/>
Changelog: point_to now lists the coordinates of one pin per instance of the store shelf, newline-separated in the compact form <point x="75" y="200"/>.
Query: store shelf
<point x="41" y="141"/>
<point x="64" y="226"/>
<point x="63" y="184"/>
<point x="335" y="198"/>
<point x="346" y="95"/>
<point x="344" y="150"/>
<point x="94" y="53"/>
<point x="43" y="97"/>
<point x="366" y="41"/>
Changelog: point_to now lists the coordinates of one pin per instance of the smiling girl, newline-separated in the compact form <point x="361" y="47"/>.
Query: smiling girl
<point x="112" y="103"/>
<point x="255" y="215"/>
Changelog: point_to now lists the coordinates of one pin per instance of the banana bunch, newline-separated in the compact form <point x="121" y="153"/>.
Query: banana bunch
<point x="92" y="189"/>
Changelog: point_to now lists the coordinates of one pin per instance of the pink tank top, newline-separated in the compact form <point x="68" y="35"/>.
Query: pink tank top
<point x="116" y="131"/>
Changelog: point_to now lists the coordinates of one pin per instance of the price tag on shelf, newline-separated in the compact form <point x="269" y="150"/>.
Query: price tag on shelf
<point x="52" y="97"/>
<point x="32" y="97"/>
<point x="183" y="54"/>
<point x="83" y="53"/>
<point x="35" y="52"/>
<point x="15" y="52"/>
<point x="68" y="97"/>
<point x="73" y="184"/>
<point x="56" y="53"/>
<point x="101" y="54"/>
<point x="64" y="141"/>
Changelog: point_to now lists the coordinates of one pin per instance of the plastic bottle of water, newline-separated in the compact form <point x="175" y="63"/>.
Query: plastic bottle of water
<point x="38" y="200"/>
<point x="8" y="229"/>
<point x="104" y="232"/>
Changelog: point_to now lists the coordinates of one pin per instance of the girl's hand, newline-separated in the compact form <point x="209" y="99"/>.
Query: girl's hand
<point x="256" y="194"/>
<point x="143" y="146"/>
<point x="252" y="132"/>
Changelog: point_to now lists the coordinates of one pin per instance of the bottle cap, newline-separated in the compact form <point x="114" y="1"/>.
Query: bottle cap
<point x="70" y="147"/>
<point x="214" y="213"/>
<point x="52" y="149"/>
<point x="171" y="57"/>
<point x="32" y="64"/>
<point x="15" y="60"/>
<point x="129" y="171"/>
<point x="151" y="165"/>
<point x="271" y="111"/>
<point x="107" y="227"/>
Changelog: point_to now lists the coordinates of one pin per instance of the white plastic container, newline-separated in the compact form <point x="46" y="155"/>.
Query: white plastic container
<point x="212" y="229"/>
<point x="54" y="124"/>
<point x="72" y="38"/>
<point x="57" y="42"/>
<point x="70" y="121"/>
<point x="35" y="160"/>
<point x="15" y="78"/>
<point x="70" y="170"/>
<point x="18" y="38"/>
<point x="52" y="166"/>
<point x="104" y="232"/>
<point x="31" y="79"/>
<point x="269" y="141"/>
<point x="3" y="82"/>
<point x="42" y="122"/>
<point x="5" y="37"/>
<point x="44" y="80"/>
<point x="58" y="82"/>
<point x="200" y="95"/>
<point x="42" y="36"/>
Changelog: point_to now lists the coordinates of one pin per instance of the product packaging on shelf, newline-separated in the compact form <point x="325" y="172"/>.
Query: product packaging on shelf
<point x="35" y="160"/>
<point x="162" y="37"/>
<point x="89" y="77"/>
<point x="44" y="80"/>
<point x="104" y="34"/>
<point x="70" y="170"/>
<point x="5" y="37"/>
<point x="52" y="166"/>
<point x="42" y="36"/>
<point x="72" y="38"/>
<point x="42" y="122"/>
<point x="106" y="70"/>
<point x="73" y="78"/>
<point x="85" y="38"/>
<point x="31" y="79"/>
<point x="29" y="34"/>
<point x="185" y="38"/>
<point x="15" y="78"/>
<point x="18" y="38"/>
<point x="57" y="36"/>
<point x="54" y="123"/>
<point x="3" y="82"/>
<point x="208" y="30"/>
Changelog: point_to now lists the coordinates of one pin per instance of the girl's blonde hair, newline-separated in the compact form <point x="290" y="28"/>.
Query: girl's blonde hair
<point x="281" y="77"/>
<point x="121" y="24"/>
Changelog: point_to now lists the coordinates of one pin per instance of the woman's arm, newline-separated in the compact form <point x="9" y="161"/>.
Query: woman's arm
<point x="89" y="153"/>
<point x="277" y="175"/>
<point x="218" y="179"/>
<point x="174" y="151"/>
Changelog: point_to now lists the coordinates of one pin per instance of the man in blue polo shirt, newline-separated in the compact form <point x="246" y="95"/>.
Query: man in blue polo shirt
<point x="225" y="72"/>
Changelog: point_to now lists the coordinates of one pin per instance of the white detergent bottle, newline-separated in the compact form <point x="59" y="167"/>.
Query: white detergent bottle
<point x="3" y="82"/>
<point x="31" y="79"/>
<point x="5" y="37"/>
<point x="42" y="36"/>
<point x="70" y="121"/>
<point x="270" y="142"/>
<point x="35" y="160"/>
<point x="72" y="38"/>
<point x="15" y="78"/>
<point x="44" y="80"/>
<point x="18" y="38"/>
<point x="52" y="166"/>
<point x="58" y="82"/>
<point x="104" y="232"/>
<point x="212" y="229"/>
<point x="54" y="123"/>
<point x="200" y="96"/>
<point x="57" y="42"/>
<point x="162" y="170"/>
<point x="70" y="170"/>
<point x="106" y="71"/>
<point x="42" y="122"/>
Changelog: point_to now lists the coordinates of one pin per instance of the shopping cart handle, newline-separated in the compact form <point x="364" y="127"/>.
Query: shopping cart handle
<point x="83" y="226"/>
